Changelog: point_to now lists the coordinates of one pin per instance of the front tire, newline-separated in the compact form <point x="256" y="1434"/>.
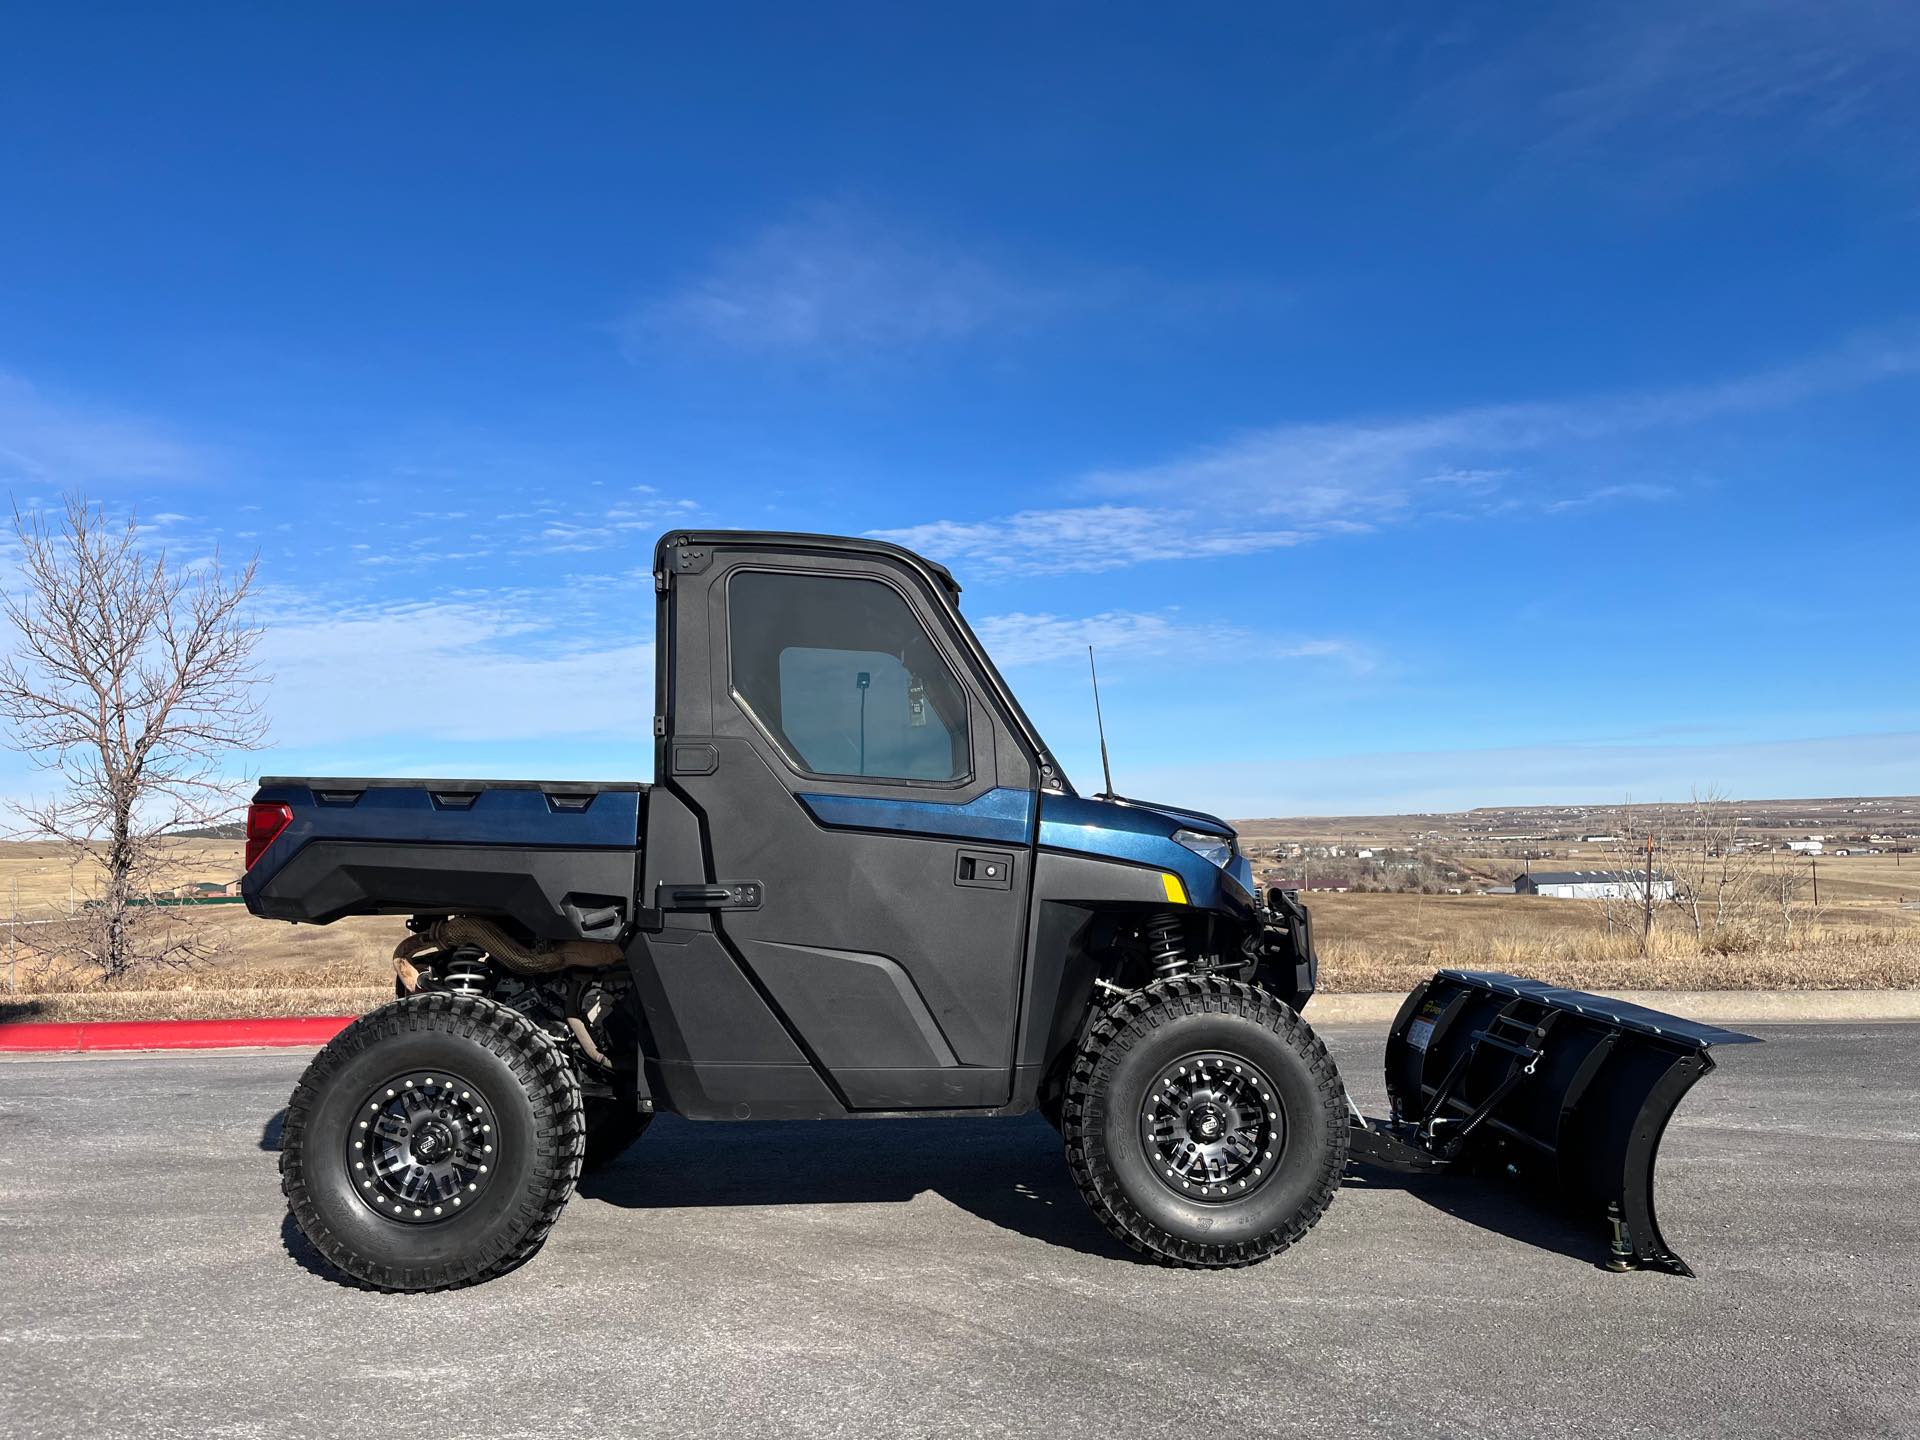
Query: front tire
<point x="1205" y="1123"/>
<point x="433" y="1143"/>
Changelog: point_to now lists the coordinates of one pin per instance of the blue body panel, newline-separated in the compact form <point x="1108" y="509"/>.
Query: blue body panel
<point x="1005" y="815"/>
<point x="1132" y="833"/>
<point x="1143" y="835"/>
<point x="517" y="815"/>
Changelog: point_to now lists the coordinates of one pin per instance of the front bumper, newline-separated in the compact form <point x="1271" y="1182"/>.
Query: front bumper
<point x="1284" y="943"/>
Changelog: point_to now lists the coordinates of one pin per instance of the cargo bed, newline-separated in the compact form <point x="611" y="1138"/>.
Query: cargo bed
<point x="560" y="857"/>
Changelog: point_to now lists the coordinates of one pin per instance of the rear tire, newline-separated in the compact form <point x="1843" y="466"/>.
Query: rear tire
<point x="433" y="1143"/>
<point x="1205" y="1123"/>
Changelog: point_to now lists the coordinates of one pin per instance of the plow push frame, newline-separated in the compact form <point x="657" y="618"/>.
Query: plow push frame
<point x="1564" y="1088"/>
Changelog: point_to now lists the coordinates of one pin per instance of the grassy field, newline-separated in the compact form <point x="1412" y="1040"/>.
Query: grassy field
<point x="1388" y="942"/>
<point x="1861" y="938"/>
<point x="42" y="878"/>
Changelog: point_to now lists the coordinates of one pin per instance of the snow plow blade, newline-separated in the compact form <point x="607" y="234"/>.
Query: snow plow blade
<point x="1570" y="1089"/>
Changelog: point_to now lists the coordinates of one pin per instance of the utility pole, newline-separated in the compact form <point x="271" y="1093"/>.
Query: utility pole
<point x="1816" y="880"/>
<point x="1646" y="930"/>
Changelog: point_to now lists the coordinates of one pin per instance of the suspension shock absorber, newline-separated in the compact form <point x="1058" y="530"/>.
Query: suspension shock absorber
<point x="1166" y="944"/>
<point x="467" y="973"/>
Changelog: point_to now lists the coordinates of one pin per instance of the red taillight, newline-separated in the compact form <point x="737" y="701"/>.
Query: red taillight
<point x="264" y="824"/>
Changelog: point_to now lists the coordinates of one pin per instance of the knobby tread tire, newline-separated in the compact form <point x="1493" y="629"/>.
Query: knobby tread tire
<point x="1124" y="1025"/>
<point x="549" y="1086"/>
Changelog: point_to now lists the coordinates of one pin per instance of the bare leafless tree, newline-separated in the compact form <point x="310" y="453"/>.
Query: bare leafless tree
<point x="1715" y="869"/>
<point x="133" y="682"/>
<point x="1627" y="912"/>
<point x="1720" y="884"/>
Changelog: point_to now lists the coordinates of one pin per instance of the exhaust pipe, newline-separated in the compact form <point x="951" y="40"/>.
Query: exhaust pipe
<point x="1570" y="1088"/>
<point x="542" y="957"/>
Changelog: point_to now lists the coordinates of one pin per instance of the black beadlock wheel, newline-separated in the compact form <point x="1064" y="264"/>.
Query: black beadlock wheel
<point x="1205" y="1123"/>
<point x="433" y="1143"/>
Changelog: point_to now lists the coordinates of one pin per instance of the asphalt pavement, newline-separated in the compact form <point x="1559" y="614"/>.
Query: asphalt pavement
<point x="941" y="1278"/>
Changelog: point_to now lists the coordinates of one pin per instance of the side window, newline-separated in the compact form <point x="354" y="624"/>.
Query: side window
<point x="842" y="677"/>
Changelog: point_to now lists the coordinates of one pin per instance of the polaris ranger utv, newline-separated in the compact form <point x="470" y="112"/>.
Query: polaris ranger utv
<point x="860" y="886"/>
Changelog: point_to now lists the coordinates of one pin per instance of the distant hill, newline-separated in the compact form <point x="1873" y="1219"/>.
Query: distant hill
<point x="232" y="830"/>
<point x="1836" y="816"/>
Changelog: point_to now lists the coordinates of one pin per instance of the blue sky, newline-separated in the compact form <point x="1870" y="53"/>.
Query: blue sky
<point x="1419" y="405"/>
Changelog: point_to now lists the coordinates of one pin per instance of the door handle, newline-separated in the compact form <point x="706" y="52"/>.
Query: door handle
<point x="983" y="869"/>
<point x="734" y="895"/>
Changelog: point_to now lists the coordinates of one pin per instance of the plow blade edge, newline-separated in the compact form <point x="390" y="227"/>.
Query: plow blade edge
<point x="1571" y="1089"/>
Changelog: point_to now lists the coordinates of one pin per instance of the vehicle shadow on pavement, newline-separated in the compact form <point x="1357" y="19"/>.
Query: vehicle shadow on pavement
<point x="306" y="1257"/>
<point x="1010" y="1173"/>
<point x="1490" y="1202"/>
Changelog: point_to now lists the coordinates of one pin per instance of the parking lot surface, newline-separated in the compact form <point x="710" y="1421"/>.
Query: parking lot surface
<point x="941" y="1277"/>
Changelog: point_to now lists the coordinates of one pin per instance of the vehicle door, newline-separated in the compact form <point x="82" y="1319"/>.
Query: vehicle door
<point x="868" y="809"/>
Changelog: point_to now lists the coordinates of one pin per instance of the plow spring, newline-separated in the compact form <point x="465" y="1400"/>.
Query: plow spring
<point x="1572" y="1089"/>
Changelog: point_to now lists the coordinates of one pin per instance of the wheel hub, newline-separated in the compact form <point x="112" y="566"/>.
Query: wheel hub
<point x="433" y="1141"/>
<point x="1213" y="1127"/>
<point x="422" y="1147"/>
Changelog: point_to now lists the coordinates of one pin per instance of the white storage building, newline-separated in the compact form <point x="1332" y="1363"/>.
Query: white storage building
<point x="1594" y="885"/>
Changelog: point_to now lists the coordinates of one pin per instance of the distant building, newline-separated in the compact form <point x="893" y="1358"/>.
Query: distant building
<point x="206" y="890"/>
<point x="1593" y="885"/>
<point x="1812" y="846"/>
<point x="1598" y="839"/>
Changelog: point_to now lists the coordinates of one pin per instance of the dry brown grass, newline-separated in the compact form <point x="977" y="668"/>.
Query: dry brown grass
<point x="44" y="874"/>
<point x="227" y="1003"/>
<point x="1390" y="942"/>
<point x="260" y="968"/>
<point x="1366" y="942"/>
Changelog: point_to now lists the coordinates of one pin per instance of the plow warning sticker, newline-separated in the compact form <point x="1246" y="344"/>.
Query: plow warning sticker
<point x="1420" y="1032"/>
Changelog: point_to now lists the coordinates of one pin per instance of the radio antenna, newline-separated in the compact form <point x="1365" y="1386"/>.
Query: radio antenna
<point x="1100" y="722"/>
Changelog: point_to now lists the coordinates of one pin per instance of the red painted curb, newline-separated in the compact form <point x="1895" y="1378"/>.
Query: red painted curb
<point x="172" y="1034"/>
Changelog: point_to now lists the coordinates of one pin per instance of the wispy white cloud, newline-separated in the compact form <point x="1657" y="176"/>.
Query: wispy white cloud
<point x="487" y="667"/>
<point x="1290" y="484"/>
<point x="1673" y="87"/>
<point x="1084" y="539"/>
<point x="60" y="443"/>
<point x="839" y="276"/>
<point x="1020" y="638"/>
<point x="1824" y="62"/>
<point x="618" y="525"/>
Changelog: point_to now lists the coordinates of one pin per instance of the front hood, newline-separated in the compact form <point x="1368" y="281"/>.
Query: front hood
<point x="1140" y="834"/>
<point x="1183" y="819"/>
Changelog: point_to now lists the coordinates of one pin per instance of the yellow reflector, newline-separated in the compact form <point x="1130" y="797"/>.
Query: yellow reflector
<point x="1176" y="892"/>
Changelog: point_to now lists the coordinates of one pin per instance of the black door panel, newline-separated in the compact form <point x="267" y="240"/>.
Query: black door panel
<point x="866" y="894"/>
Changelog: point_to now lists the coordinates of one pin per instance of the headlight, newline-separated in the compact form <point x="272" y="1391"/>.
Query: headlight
<point x="1216" y="848"/>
